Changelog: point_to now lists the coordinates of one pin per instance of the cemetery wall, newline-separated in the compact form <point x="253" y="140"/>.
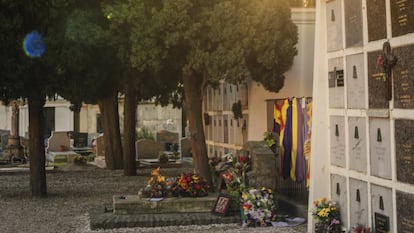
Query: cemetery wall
<point x="363" y="120"/>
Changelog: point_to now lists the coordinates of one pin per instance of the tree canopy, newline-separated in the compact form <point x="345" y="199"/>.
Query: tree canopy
<point x="31" y="37"/>
<point x="214" y="40"/>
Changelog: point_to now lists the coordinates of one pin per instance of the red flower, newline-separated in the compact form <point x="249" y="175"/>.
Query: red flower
<point x="380" y="60"/>
<point x="242" y="159"/>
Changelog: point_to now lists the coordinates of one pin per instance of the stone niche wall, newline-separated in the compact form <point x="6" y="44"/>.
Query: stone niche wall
<point x="371" y="138"/>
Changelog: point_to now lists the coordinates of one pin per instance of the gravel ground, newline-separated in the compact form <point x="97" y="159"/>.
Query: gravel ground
<point x="73" y="191"/>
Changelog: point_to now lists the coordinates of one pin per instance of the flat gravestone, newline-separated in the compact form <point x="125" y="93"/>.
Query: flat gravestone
<point x="339" y="193"/>
<point x="337" y="135"/>
<point x="377" y="86"/>
<point x="381" y="202"/>
<point x="380" y="144"/>
<point x="405" y="213"/>
<point x="355" y="81"/>
<point x="58" y="140"/>
<point x="100" y="146"/>
<point x="358" y="193"/>
<point x="353" y="23"/>
<point x="403" y="74"/>
<point x="185" y="145"/>
<point x="165" y="136"/>
<point x="357" y="144"/>
<point x="4" y="137"/>
<point x="336" y="82"/>
<point x="404" y="150"/>
<point x="148" y="149"/>
<point x="334" y="25"/>
<point x="80" y="139"/>
<point x="376" y="16"/>
<point x="402" y="17"/>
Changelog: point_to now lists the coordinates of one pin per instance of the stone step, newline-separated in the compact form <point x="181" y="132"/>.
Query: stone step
<point x="99" y="219"/>
<point x="133" y="204"/>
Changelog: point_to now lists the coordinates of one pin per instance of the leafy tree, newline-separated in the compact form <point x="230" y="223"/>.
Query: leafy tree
<point x="28" y="72"/>
<point x="226" y="40"/>
<point x="92" y="72"/>
<point x="148" y="71"/>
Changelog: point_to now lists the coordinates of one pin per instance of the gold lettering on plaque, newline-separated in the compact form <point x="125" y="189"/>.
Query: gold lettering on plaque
<point x="401" y="2"/>
<point x="405" y="100"/>
<point x="378" y="76"/>
<point x="405" y="86"/>
<point x="404" y="72"/>
<point x="353" y="19"/>
<point x="408" y="223"/>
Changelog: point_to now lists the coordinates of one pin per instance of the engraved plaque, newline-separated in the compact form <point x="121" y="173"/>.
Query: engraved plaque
<point x="334" y="25"/>
<point x="358" y="199"/>
<point x="381" y="203"/>
<point x="337" y="131"/>
<point x="380" y="154"/>
<point x="339" y="194"/>
<point x="353" y="23"/>
<point x="376" y="15"/>
<point x="357" y="144"/>
<point x="404" y="150"/>
<point x="377" y="87"/>
<point x="405" y="213"/>
<point x="403" y="74"/>
<point x="402" y="17"/>
<point x="355" y="79"/>
<point x="381" y="223"/>
<point x="336" y="83"/>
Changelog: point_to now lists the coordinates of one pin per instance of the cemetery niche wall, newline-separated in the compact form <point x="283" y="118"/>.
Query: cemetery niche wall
<point x="367" y="77"/>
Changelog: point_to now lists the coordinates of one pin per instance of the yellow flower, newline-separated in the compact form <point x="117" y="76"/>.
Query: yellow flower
<point x="321" y="213"/>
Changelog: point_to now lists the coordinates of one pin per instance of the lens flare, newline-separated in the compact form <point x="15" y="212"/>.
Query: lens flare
<point x="33" y="44"/>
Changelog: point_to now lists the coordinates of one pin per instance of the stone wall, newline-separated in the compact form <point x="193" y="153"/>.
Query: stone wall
<point x="264" y="171"/>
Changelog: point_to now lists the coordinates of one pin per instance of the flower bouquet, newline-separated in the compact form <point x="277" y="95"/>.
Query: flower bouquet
<point x="258" y="207"/>
<point x="190" y="185"/>
<point x="327" y="215"/>
<point x="361" y="229"/>
<point x="157" y="186"/>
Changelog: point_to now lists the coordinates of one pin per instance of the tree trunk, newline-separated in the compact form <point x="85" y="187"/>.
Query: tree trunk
<point x="112" y="135"/>
<point x="37" y="146"/>
<point x="193" y="97"/>
<point x="130" y="110"/>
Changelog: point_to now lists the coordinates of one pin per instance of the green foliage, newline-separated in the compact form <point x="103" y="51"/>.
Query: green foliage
<point x="269" y="139"/>
<point x="145" y="133"/>
<point x="152" y="68"/>
<point x="90" y="62"/>
<point x="236" y="108"/>
<point x="18" y="71"/>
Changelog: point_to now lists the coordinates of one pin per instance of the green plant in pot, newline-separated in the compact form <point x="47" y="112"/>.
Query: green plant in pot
<point x="162" y="157"/>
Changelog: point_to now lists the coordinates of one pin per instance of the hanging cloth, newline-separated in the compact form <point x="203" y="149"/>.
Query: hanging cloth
<point x="300" y="160"/>
<point x="279" y="114"/>
<point x="308" y="136"/>
<point x="287" y="142"/>
<point x="294" y="139"/>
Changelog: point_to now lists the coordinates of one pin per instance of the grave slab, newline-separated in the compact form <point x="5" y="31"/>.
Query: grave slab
<point x="337" y="136"/>
<point x="380" y="144"/>
<point x="404" y="150"/>
<point x="376" y="17"/>
<point x="358" y="198"/>
<point x="357" y="144"/>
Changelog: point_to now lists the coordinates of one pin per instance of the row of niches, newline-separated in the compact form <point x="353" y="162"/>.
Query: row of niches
<point x="380" y="140"/>
<point x="395" y="84"/>
<point x="360" y="194"/>
<point x="402" y="21"/>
